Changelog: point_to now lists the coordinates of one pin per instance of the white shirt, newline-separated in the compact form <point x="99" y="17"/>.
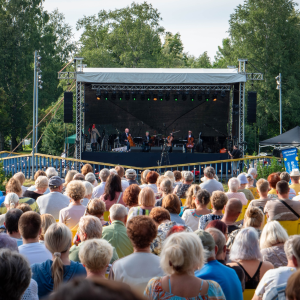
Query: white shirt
<point x="124" y="184"/>
<point x="52" y="203"/>
<point x="136" y="270"/>
<point x="24" y="189"/>
<point x="98" y="190"/>
<point x="273" y="278"/>
<point x="191" y="219"/>
<point x="36" y="253"/>
<point x="153" y="187"/>
<point x="32" y="188"/>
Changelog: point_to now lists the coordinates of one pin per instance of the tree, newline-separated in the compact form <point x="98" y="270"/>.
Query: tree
<point x="203" y="61"/>
<point x="267" y="33"/>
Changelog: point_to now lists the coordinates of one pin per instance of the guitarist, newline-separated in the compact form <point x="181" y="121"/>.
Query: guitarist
<point x="187" y="138"/>
<point x="124" y="139"/>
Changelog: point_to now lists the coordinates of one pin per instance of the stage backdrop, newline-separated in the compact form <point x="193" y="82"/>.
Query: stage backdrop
<point x="162" y="116"/>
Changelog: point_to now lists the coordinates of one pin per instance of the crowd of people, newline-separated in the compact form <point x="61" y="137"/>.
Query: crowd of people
<point x="163" y="238"/>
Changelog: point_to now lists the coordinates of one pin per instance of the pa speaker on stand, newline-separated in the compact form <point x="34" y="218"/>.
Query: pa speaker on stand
<point x="68" y="107"/>
<point x="251" y="108"/>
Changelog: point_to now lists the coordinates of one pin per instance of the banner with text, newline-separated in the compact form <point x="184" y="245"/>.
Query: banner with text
<point x="290" y="157"/>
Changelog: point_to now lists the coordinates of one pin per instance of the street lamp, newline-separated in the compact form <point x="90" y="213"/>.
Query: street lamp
<point x="278" y="81"/>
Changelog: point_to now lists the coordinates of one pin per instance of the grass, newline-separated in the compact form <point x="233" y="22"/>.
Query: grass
<point x="28" y="182"/>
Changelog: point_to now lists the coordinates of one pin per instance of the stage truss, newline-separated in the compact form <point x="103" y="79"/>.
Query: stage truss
<point x="80" y="94"/>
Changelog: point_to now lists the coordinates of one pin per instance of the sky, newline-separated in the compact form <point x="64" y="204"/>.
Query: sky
<point x="202" y="24"/>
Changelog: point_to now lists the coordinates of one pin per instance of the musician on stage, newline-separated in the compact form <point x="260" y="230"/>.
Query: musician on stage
<point x="189" y="136"/>
<point x="170" y="139"/>
<point x="146" y="142"/>
<point x="93" y="132"/>
<point x="124" y="139"/>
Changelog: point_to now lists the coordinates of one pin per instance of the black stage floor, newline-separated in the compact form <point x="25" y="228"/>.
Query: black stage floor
<point x="150" y="159"/>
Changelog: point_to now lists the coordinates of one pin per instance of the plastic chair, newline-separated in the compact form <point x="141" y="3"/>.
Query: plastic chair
<point x="244" y="208"/>
<point x="292" y="227"/>
<point x="56" y="221"/>
<point x="106" y="215"/>
<point x="183" y="201"/>
<point x="248" y="294"/>
<point x="74" y="231"/>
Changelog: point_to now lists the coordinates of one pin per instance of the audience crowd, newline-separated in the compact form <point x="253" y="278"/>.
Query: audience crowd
<point x="163" y="238"/>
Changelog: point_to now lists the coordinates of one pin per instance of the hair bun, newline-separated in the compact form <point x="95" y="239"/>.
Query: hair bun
<point x="253" y="212"/>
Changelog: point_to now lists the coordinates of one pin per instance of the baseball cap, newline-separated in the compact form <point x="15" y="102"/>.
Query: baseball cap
<point x="207" y="240"/>
<point x="130" y="172"/>
<point x="55" y="182"/>
<point x="242" y="179"/>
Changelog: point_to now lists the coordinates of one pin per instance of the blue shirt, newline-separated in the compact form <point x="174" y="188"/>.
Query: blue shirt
<point x="224" y="276"/>
<point x="177" y="219"/>
<point x="2" y="198"/>
<point x="42" y="274"/>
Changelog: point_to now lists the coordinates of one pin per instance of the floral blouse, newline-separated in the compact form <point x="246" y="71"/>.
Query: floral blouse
<point x="275" y="255"/>
<point x="162" y="231"/>
<point x="154" y="291"/>
<point x="207" y="218"/>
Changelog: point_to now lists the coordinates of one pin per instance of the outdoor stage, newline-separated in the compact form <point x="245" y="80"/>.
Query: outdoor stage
<point x="150" y="159"/>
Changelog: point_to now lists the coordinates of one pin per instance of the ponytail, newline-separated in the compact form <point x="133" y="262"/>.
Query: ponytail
<point x="57" y="270"/>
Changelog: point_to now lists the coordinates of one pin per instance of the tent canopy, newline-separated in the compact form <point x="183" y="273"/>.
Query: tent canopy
<point x="289" y="138"/>
<point x="160" y="76"/>
<point x="70" y="139"/>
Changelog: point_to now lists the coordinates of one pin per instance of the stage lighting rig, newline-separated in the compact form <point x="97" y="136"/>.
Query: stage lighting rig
<point x="176" y="96"/>
<point x="134" y="95"/>
<point x="106" y="95"/>
<point x="167" y="96"/>
<point x="193" y="96"/>
<point x="215" y="98"/>
<point x="127" y="96"/>
<point x="161" y="96"/>
<point x="120" y="96"/>
<point x="98" y="94"/>
<point x="223" y="94"/>
<point x="143" y="96"/>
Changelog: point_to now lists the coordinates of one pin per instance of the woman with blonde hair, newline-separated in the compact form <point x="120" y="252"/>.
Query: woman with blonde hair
<point x="47" y="220"/>
<point x="181" y="255"/>
<point x="69" y="177"/>
<point x="190" y="198"/>
<point x="144" y="178"/>
<point x="166" y="188"/>
<point x="96" y="208"/>
<point x="272" y="242"/>
<point x="11" y="201"/>
<point x="72" y="214"/>
<point x="254" y="217"/>
<point x="41" y="185"/>
<point x="146" y="203"/>
<point x="51" y="273"/>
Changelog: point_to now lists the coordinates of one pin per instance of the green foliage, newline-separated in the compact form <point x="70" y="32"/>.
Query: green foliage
<point x="263" y="171"/>
<point x="267" y="33"/>
<point x="54" y="134"/>
<point x="3" y="178"/>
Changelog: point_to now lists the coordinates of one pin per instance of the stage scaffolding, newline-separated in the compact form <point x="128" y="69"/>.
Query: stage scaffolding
<point x="80" y="95"/>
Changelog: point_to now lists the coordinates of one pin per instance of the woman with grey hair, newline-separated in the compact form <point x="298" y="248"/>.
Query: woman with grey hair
<point x="245" y="253"/>
<point x="166" y="187"/>
<point x="41" y="185"/>
<point x="272" y="242"/>
<point x="211" y="184"/>
<point x="233" y="185"/>
<point x="90" y="177"/>
<point x="50" y="172"/>
<point x="180" y="190"/>
<point x="88" y="193"/>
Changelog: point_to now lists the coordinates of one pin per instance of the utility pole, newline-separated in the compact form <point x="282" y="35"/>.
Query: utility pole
<point x="38" y="86"/>
<point x="278" y="81"/>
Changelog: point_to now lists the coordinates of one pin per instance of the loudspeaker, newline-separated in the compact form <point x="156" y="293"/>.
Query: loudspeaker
<point x="68" y="107"/>
<point x="135" y="149"/>
<point x="156" y="149"/>
<point x="251" y="108"/>
<point x="177" y="150"/>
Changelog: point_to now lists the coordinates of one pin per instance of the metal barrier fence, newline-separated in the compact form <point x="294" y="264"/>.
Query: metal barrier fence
<point x="23" y="163"/>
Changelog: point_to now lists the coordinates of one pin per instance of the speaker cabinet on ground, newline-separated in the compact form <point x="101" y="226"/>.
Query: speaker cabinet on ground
<point x="68" y="107"/>
<point x="251" y="108"/>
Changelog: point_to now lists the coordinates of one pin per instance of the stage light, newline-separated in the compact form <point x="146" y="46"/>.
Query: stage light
<point x="120" y="96"/>
<point x="134" y="96"/>
<point x="160" y="96"/>
<point x="184" y="95"/>
<point x="193" y="96"/>
<point x="143" y="96"/>
<point x="114" y="95"/>
<point x="149" y="96"/>
<point x="127" y="96"/>
<point x="176" y="96"/>
<point x="167" y="96"/>
<point x="215" y="98"/>
<point x="223" y="94"/>
<point x="106" y="95"/>
<point x="98" y="94"/>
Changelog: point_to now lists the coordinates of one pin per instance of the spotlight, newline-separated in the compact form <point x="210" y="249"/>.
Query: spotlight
<point x="127" y="96"/>
<point x="167" y="96"/>
<point x="120" y="96"/>
<point x="143" y="96"/>
<point x="215" y="98"/>
<point x="106" y="95"/>
<point x="114" y="95"/>
<point x="161" y="96"/>
<point x="155" y="97"/>
<point x="98" y="94"/>
<point x="184" y="95"/>
<point x="193" y="96"/>
<point x="207" y="94"/>
<point x="149" y="96"/>
<point x="134" y="95"/>
<point x="176" y="96"/>
<point x="223" y="94"/>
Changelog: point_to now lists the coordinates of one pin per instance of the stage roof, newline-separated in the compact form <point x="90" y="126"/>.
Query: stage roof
<point x="160" y="76"/>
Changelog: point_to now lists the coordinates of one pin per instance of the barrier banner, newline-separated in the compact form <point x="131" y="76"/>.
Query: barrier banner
<point x="290" y="158"/>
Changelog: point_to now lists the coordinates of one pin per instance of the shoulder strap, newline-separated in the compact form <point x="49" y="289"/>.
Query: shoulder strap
<point x="284" y="203"/>
<point x="119" y="197"/>
<point x="258" y="270"/>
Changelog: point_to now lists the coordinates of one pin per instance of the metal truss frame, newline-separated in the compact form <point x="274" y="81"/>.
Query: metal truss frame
<point x="175" y="88"/>
<point x="255" y="76"/>
<point x="67" y="75"/>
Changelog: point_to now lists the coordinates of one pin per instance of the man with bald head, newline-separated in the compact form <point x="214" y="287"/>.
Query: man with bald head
<point x="233" y="209"/>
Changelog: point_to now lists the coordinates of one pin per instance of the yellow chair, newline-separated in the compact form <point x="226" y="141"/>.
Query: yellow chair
<point x="244" y="208"/>
<point x="248" y="294"/>
<point x="56" y="221"/>
<point x="74" y="231"/>
<point x="106" y="215"/>
<point x="292" y="227"/>
<point x="183" y="201"/>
